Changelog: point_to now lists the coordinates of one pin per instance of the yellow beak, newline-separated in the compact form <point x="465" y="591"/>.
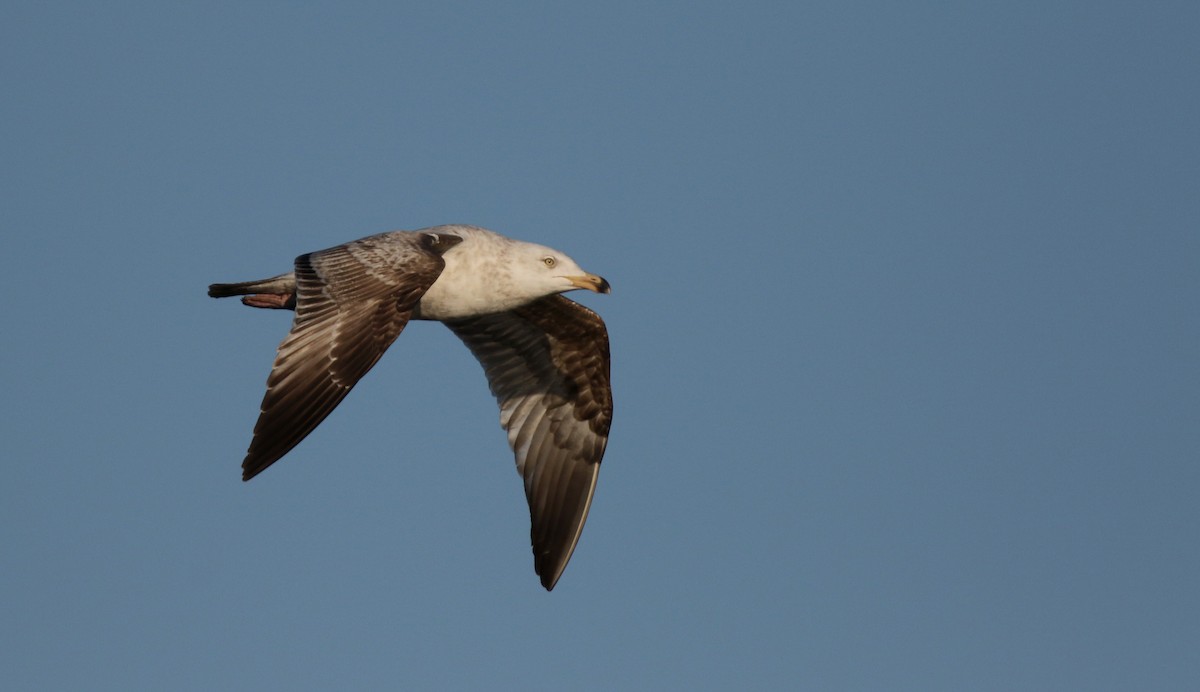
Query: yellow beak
<point x="590" y="282"/>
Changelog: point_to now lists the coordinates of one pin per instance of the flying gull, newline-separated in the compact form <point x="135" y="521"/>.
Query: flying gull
<point x="545" y="356"/>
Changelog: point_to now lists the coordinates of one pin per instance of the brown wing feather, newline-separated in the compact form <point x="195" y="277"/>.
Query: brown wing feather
<point x="548" y="365"/>
<point x="352" y="301"/>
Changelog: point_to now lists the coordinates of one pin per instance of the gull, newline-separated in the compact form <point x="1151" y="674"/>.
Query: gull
<point x="546" y="357"/>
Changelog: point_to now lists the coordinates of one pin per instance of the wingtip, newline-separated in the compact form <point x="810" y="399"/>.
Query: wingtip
<point x="549" y="571"/>
<point x="250" y="470"/>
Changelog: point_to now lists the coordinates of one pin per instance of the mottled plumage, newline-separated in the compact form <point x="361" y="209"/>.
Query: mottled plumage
<point x="546" y="357"/>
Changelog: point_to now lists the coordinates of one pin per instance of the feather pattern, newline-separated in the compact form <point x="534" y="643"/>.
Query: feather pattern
<point x="546" y="357"/>
<point x="547" y="364"/>
<point x="349" y="308"/>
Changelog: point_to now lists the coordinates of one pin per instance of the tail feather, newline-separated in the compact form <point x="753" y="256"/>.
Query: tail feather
<point x="284" y="284"/>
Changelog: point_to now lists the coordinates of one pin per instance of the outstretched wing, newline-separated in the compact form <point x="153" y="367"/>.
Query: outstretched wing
<point x="548" y="365"/>
<point x="352" y="301"/>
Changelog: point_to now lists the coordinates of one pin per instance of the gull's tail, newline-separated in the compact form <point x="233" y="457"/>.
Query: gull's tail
<point x="276" y="292"/>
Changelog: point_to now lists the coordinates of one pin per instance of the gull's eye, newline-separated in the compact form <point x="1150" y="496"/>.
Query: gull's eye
<point x="549" y="261"/>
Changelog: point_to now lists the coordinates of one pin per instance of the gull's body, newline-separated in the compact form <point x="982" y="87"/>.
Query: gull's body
<point x="546" y="357"/>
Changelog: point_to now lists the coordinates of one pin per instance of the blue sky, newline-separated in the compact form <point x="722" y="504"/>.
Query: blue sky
<point x="903" y="323"/>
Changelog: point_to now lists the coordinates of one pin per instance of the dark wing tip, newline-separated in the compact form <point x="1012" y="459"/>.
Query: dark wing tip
<point x="251" y="470"/>
<point x="550" y="568"/>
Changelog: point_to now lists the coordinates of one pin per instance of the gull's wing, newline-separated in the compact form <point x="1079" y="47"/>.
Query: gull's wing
<point x="548" y="365"/>
<point x="352" y="301"/>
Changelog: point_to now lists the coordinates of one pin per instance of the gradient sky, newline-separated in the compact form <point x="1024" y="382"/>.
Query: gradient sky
<point x="904" y="329"/>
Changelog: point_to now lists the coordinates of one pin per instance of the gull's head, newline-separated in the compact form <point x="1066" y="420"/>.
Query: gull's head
<point x="554" y="272"/>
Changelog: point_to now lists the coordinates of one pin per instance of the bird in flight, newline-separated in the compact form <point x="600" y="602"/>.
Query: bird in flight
<point x="545" y="356"/>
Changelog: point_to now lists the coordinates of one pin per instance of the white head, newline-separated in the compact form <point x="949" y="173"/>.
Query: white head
<point x="487" y="272"/>
<point x="544" y="271"/>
